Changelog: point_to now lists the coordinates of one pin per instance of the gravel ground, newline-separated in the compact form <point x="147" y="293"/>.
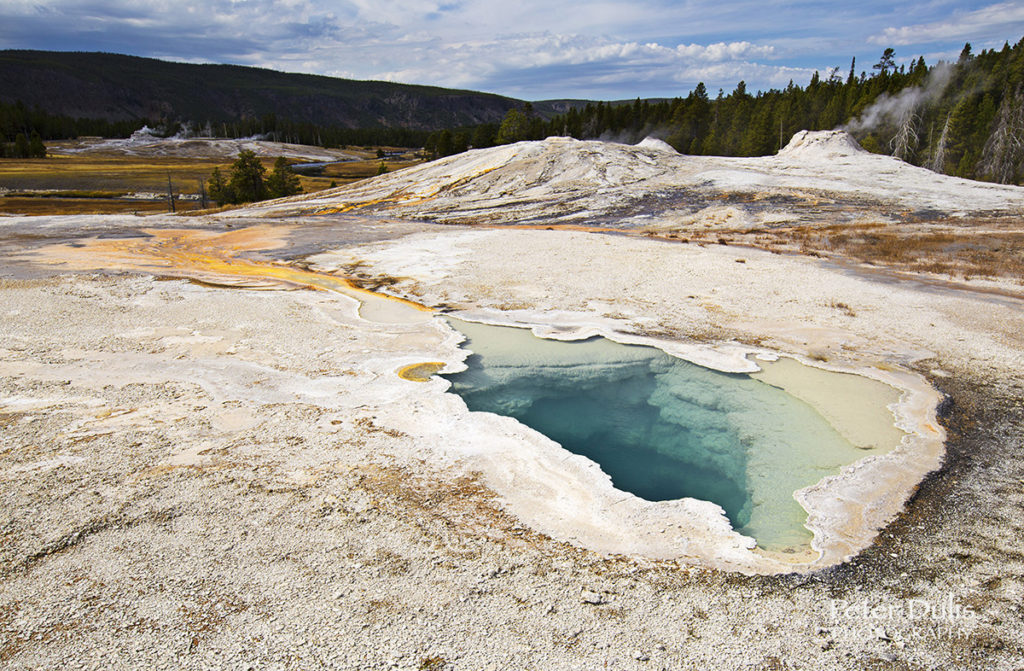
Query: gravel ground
<point x="198" y="478"/>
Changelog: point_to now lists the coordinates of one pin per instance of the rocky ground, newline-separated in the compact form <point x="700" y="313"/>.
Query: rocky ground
<point x="195" y="476"/>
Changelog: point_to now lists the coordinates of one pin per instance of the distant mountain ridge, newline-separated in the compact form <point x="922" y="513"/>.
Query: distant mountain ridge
<point x="116" y="87"/>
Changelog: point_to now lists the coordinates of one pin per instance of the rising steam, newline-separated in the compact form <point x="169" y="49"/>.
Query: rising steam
<point x="896" y="109"/>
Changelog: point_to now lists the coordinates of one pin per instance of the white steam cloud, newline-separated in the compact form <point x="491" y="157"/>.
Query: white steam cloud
<point x="893" y="109"/>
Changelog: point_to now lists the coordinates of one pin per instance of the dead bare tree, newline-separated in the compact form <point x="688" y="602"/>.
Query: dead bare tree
<point x="1003" y="153"/>
<point x="170" y="191"/>
<point x="905" y="141"/>
<point x="939" y="154"/>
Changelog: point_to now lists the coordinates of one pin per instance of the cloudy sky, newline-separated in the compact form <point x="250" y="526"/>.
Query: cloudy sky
<point x="533" y="49"/>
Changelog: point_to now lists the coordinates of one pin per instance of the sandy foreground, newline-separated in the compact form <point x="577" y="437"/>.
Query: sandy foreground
<point x="197" y="476"/>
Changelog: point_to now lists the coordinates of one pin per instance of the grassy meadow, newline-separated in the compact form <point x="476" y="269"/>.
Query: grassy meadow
<point x="69" y="183"/>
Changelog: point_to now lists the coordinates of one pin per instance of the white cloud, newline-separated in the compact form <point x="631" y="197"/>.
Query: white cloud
<point x="557" y="59"/>
<point x="528" y="48"/>
<point x="992" y="22"/>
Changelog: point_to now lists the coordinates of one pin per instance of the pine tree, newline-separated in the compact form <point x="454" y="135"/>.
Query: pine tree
<point x="690" y="119"/>
<point x="282" y="181"/>
<point x="834" y="113"/>
<point x="218" y="188"/>
<point x="247" y="178"/>
<point x="758" y="139"/>
<point x="484" y="134"/>
<point x="444" y="143"/>
<point x="514" y="127"/>
<point x="21" y="146"/>
<point x="886" y="62"/>
<point x="961" y="128"/>
<point x="430" y="145"/>
<point x="36" y="148"/>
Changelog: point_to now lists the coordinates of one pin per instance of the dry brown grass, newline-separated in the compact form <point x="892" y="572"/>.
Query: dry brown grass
<point x="95" y="183"/>
<point x="124" y="174"/>
<point x="960" y="248"/>
<point x="352" y="171"/>
<point x="842" y="307"/>
<point x="50" y="206"/>
<point x="966" y="248"/>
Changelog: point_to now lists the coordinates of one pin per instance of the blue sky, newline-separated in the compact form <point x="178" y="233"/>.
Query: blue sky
<point x="533" y="49"/>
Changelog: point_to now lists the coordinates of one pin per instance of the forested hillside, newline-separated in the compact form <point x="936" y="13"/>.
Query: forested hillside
<point x="113" y="89"/>
<point x="964" y="118"/>
<point x="60" y="95"/>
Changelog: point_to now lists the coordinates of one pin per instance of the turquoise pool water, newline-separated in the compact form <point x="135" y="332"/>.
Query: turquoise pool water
<point x="661" y="427"/>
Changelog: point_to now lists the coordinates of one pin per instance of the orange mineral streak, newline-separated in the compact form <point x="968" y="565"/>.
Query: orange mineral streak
<point x="401" y="199"/>
<point x="207" y="256"/>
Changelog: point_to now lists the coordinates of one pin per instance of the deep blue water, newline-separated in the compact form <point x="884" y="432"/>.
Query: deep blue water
<point x="660" y="427"/>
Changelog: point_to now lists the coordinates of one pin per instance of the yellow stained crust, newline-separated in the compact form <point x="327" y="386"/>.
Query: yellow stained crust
<point x="206" y="256"/>
<point x="420" y="372"/>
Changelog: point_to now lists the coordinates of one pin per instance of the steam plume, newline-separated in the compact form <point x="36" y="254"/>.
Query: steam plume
<point x="898" y="108"/>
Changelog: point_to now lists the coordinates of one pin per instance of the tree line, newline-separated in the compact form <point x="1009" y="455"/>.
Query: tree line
<point x="23" y="147"/>
<point x="964" y="118"/>
<point x="18" y="119"/>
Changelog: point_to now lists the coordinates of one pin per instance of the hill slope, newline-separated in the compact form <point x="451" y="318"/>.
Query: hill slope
<point x="821" y="176"/>
<point x="116" y="88"/>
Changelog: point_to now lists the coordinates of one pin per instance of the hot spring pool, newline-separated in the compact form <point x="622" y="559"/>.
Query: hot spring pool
<point x="663" y="428"/>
